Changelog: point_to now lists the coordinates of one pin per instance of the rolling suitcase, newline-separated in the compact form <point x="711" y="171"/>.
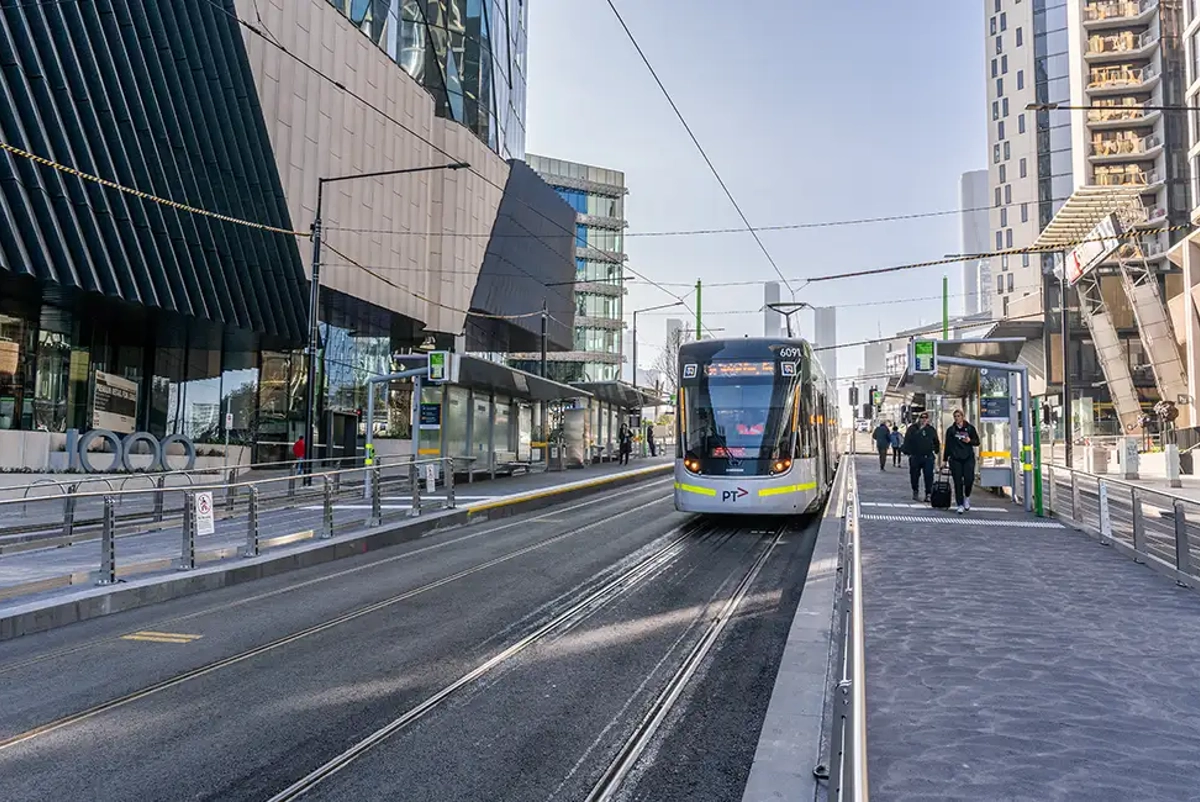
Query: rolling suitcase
<point x="942" y="494"/>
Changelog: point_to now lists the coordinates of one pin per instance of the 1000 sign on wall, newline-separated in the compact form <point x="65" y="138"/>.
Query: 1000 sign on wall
<point x="123" y="450"/>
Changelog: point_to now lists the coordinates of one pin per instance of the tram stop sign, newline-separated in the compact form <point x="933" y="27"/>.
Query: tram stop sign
<point x="924" y="356"/>
<point x="438" y="363"/>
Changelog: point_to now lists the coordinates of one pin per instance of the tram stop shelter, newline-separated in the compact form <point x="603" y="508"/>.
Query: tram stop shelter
<point x="608" y="405"/>
<point x="989" y="379"/>
<point x="491" y="415"/>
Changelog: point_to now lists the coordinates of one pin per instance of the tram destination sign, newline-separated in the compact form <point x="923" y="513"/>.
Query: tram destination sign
<point x="730" y="369"/>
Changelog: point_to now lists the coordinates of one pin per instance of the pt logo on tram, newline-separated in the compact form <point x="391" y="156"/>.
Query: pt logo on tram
<point x="733" y="495"/>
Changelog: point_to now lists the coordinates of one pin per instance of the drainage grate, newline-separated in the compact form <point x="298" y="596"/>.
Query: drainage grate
<point x="960" y="519"/>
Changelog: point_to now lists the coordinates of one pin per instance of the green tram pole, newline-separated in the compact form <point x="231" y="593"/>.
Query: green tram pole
<point x="699" y="336"/>
<point x="945" y="307"/>
<point x="1036" y="420"/>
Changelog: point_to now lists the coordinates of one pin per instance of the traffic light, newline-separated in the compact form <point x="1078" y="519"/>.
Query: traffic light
<point x="876" y="397"/>
<point x="853" y="395"/>
<point x="866" y="411"/>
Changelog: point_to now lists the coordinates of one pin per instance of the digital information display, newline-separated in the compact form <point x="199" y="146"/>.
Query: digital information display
<point x="739" y="369"/>
<point x="924" y="356"/>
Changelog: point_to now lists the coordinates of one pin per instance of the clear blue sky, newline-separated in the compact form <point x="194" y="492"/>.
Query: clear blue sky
<point x="812" y="111"/>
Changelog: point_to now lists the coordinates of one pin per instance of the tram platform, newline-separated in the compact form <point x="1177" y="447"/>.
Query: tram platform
<point x="1011" y="658"/>
<point x="43" y="588"/>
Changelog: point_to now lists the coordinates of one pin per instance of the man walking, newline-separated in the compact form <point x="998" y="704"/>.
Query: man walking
<point x="897" y="441"/>
<point x="883" y="441"/>
<point x="921" y="445"/>
<point x="961" y="441"/>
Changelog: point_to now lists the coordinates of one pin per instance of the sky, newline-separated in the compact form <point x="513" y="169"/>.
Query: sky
<point x="811" y="112"/>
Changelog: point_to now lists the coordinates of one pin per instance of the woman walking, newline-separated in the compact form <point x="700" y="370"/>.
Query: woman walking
<point x="961" y="441"/>
<point x="896" y="441"/>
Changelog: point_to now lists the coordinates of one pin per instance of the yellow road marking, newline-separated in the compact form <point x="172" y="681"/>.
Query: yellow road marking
<point x="475" y="509"/>
<point x="161" y="637"/>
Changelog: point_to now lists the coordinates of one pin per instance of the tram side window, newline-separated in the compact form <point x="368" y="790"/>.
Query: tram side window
<point x="806" y="439"/>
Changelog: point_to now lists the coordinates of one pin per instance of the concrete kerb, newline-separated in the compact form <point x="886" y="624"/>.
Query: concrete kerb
<point x="796" y="730"/>
<point x="93" y="602"/>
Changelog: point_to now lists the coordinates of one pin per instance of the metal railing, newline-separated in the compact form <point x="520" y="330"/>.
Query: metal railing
<point x="848" y="779"/>
<point x="1156" y="527"/>
<point x="135" y="528"/>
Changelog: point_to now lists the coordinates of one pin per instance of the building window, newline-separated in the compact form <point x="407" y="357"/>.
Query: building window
<point x="1024" y="260"/>
<point x="1008" y="238"/>
<point x="999" y="240"/>
<point x="1000" y="130"/>
<point x="1010" y="282"/>
<point x="999" y="87"/>
<point x="1007" y="150"/>
<point x="1004" y="22"/>
<point x="999" y="44"/>
<point x="992" y="26"/>
<point x="997" y="6"/>
<point x="996" y="154"/>
<point x="995" y="110"/>
<point x="1003" y="174"/>
<point x="1004" y="216"/>
<point x="1020" y="79"/>
<point x="1008" y="194"/>
<point x="1004" y="65"/>
<point x="1020" y="37"/>
<point x="997" y="196"/>
<point x="1004" y="262"/>
<point x="1020" y="123"/>
<point x="1004" y="106"/>
<point x="1024" y="207"/>
<point x="999" y="283"/>
<point x="1004" y="307"/>
<point x="995" y="68"/>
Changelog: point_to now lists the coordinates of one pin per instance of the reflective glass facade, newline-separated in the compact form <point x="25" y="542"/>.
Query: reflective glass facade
<point x="469" y="54"/>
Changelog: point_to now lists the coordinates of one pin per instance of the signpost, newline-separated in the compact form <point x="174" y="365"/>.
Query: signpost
<point x="1097" y="246"/>
<point x="439" y="362"/>
<point x="430" y="478"/>
<point x="205" y="522"/>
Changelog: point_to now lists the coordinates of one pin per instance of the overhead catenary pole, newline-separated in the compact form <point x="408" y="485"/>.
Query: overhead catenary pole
<point x="1065" y="334"/>
<point x="699" y="336"/>
<point x="545" y="315"/>
<point x="945" y="307"/>
<point x="314" y="296"/>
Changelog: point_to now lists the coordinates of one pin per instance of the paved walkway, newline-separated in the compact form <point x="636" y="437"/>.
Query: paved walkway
<point x="51" y="569"/>
<point x="1010" y="658"/>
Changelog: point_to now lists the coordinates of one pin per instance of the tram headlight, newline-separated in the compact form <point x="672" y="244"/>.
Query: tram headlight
<point x="781" y="466"/>
<point x="692" y="465"/>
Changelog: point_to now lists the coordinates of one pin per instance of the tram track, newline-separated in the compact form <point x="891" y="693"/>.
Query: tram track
<point x="293" y="587"/>
<point x="212" y="667"/>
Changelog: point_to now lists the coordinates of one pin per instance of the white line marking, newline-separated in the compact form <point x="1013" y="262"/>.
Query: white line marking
<point x="961" y="519"/>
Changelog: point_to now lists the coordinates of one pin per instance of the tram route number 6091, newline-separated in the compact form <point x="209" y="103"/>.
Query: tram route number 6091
<point x="733" y="495"/>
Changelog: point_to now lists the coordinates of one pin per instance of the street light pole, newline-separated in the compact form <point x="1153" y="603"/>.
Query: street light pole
<point x="314" y="296"/>
<point x="636" y="312"/>
<point x="545" y="314"/>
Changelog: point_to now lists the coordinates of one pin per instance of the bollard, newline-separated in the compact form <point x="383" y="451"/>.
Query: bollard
<point x="450" y="483"/>
<point x="292" y="481"/>
<point x="1050" y="494"/>
<point x="1076" y="512"/>
<point x="1171" y="452"/>
<point x="69" y="511"/>
<point x="376" y="498"/>
<point x="414" y="479"/>
<point x="251" y="548"/>
<point x="187" y="556"/>
<point x="158" y="499"/>
<point x="108" y="546"/>
<point x="1183" y="553"/>
<point x="327" y="525"/>
<point x="1105" y="517"/>
<point x="1139" y="526"/>
<point x="230" y="490"/>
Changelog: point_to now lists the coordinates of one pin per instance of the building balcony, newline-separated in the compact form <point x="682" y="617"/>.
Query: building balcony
<point x="587" y="322"/>
<point x="1107" y="13"/>
<point x="600" y="288"/>
<point x="1121" y="78"/>
<point x="1120" y="46"/>
<point x="1123" y="112"/>
<point x="614" y="223"/>
<point x="1126" y="175"/>
<point x="1124" y="147"/>
<point x="598" y="254"/>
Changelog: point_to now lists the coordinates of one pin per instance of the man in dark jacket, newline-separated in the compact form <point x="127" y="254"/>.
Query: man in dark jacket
<point x="961" y="441"/>
<point x="921" y="445"/>
<point x="883" y="441"/>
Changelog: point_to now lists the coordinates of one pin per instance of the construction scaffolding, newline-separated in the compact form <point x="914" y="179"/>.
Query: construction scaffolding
<point x="1094" y="220"/>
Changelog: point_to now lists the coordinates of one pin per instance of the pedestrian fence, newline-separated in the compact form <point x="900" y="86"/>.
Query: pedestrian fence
<point x="133" y="526"/>
<point x="1155" y="527"/>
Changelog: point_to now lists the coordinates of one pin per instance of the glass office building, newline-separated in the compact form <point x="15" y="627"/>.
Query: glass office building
<point x="469" y="54"/>
<point x="597" y="195"/>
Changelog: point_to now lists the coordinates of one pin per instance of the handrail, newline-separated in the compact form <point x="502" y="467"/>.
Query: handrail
<point x="1123" y="483"/>
<point x="290" y="477"/>
<point x="850" y="735"/>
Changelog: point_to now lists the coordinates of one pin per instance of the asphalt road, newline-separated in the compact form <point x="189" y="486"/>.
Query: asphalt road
<point x="239" y="693"/>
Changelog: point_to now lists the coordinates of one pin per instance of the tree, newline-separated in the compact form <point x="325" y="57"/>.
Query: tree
<point x="667" y="363"/>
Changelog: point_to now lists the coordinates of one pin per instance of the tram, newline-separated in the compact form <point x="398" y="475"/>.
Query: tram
<point x="756" y="428"/>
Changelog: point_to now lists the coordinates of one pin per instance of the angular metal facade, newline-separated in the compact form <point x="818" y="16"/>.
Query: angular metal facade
<point x="156" y="95"/>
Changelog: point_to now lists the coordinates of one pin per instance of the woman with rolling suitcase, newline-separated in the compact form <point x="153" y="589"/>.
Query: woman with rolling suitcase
<point x="961" y="441"/>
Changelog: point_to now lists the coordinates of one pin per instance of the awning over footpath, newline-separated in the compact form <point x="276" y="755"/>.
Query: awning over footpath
<point x="957" y="381"/>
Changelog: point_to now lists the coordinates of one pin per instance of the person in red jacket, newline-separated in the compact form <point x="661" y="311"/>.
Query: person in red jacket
<point x="298" y="448"/>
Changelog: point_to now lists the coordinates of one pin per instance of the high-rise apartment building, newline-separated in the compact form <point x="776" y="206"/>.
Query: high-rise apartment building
<point x="772" y="320"/>
<point x="597" y="195"/>
<point x="977" y="274"/>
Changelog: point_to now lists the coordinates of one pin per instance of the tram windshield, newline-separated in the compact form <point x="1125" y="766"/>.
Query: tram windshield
<point x="741" y="419"/>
